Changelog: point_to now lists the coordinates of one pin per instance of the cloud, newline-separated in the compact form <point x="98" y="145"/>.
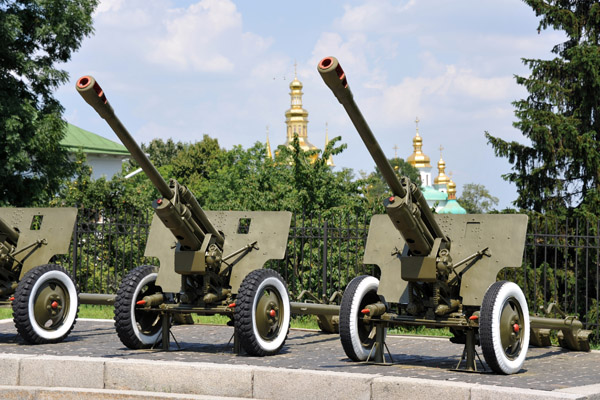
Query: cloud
<point x="350" y="51"/>
<point x="375" y="16"/>
<point x="453" y="89"/>
<point x="193" y="36"/>
<point x="207" y="36"/>
<point x="108" y="6"/>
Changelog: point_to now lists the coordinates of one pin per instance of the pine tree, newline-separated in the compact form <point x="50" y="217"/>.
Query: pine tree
<point x="560" y="170"/>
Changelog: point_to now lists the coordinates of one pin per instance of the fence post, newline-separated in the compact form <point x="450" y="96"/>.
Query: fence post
<point x="324" y="259"/>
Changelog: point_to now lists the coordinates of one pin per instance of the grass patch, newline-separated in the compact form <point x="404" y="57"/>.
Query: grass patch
<point x="210" y="319"/>
<point x="96" y="311"/>
<point x="303" y="321"/>
<point x="419" y="331"/>
<point x="5" y="312"/>
<point x="85" y="311"/>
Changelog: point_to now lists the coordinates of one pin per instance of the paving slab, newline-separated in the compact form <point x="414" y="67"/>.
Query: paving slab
<point x="433" y="359"/>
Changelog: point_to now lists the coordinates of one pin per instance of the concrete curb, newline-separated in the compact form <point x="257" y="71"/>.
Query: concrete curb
<point x="63" y="393"/>
<point x="49" y="377"/>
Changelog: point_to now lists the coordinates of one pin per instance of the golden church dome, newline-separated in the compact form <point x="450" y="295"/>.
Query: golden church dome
<point x="295" y="84"/>
<point x="451" y="190"/>
<point x="418" y="159"/>
<point x="442" y="178"/>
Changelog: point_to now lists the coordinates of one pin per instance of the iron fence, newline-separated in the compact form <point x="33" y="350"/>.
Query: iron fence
<point x="323" y="255"/>
<point x="106" y="245"/>
<point x="561" y="266"/>
<point x="560" y="263"/>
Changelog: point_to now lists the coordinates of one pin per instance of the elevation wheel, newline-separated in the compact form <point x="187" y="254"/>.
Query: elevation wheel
<point x="354" y="332"/>
<point x="504" y="327"/>
<point x="262" y="313"/>
<point x="45" y="305"/>
<point x="137" y="328"/>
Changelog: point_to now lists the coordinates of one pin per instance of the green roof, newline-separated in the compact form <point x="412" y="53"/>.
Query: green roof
<point x="431" y="193"/>
<point x="452" y="207"/>
<point x="77" y="138"/>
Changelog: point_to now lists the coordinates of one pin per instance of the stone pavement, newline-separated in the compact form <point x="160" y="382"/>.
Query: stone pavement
<point x="545" y="369"/>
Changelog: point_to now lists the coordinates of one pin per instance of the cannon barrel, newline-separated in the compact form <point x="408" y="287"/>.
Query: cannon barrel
<point x="192" y="231"/>
<point x="334" y="76"/>
<point x="418" y="227"/>
<point x="11" y="234"/>
<point x="93" y="94"/>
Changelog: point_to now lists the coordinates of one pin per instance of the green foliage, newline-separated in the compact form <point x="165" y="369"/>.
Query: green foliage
<point x="34" y="37"/>
<point x="243" y="179"/>
<point x="85" y="192"/>
<point x="375" y="189"/>
<point x="315" y="185"/>
<point x="560" y="170"/>
<point x="196" y="162"/>
<point x="247" y="179"/>
<point x="476" y="199"/>
<point x="163" y="153"/>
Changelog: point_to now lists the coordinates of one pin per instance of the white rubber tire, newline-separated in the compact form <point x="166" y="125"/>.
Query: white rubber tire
<point x="256" y="284"/>
<point x="128" y="319"/>
<point x="276" y="343"/>
<point x="360" y="292"/>
<point x="148" y="340"/>
<point x="508" y="298"/>
<point x="48" y="335"/>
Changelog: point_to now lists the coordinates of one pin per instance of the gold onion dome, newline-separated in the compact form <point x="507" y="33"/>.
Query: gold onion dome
<point x="451" y="190"/>
<point x="296" y="118"/>
<point x="418" y="159"/>
<point x="296" y="84"/>
<point x="442" y="178"/>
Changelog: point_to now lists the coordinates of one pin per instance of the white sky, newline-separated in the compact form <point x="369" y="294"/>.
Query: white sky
<point x="182" y="69"/>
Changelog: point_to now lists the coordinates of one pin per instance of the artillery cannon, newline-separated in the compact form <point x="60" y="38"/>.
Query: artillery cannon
<point x="210" y="262"/>
<point x="43" y="296"/>
<point x="438" y="271"/>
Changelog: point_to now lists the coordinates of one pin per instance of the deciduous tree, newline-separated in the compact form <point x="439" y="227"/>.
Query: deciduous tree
<point x="35" y="35"/>
<point x="476" y="199"/>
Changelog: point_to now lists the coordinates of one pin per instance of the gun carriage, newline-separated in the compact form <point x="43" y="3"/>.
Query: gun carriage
<point x="210" y="262"/>
<point x="42" y="295"/>
<point x="439" y="271"/>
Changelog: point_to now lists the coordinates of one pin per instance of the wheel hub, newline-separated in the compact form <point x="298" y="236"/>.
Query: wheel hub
<point x="268" y="319"/>
<point x="49" y="305"/>
<point x="510" y="328"/>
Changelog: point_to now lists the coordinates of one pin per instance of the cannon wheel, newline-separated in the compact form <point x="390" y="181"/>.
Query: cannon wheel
<point x="354" y="333"/>
<point x="45" y="305"/>
<point x="262" y="313"/>
<point x="504" y="327"/>
<point x="137" y="329"/>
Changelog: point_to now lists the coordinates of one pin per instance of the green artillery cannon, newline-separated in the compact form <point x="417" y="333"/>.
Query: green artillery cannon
<point x="438" y="271"/>
<point x="210" y="262"/>
<point x="43" y="296"/>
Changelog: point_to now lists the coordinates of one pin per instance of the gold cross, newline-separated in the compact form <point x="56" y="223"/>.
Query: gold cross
<point x="395" y="151"/>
